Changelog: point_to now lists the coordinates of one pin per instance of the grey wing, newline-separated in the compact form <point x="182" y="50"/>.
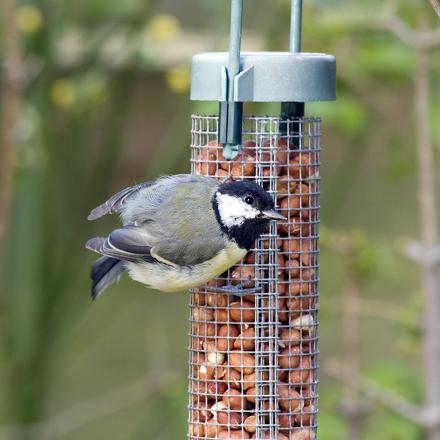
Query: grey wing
<point x="128" y="244"/>
<point x="184" y="253"/>
<point x="184" y="227"/>
<point x="115" y="203"/>
<point x="173" y="215"/>
<point x="159" y="201"/>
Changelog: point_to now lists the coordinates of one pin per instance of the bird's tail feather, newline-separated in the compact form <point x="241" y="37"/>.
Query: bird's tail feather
<point x="105" y="272"/>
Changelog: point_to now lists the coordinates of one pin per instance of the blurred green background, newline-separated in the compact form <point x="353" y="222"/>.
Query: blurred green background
<point x="103" y="91"/>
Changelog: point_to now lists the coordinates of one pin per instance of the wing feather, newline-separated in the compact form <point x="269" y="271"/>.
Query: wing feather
<point x="128" y="244"/>
<point x="173" y="216"/>
<point x="115" y="203"/>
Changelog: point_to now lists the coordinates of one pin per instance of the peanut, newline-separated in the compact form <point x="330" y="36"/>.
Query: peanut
<point x="206" y="161"/>
<point x="202" y="314"/>
<point x="289" y="206"/>
<point x="292" y="267"/>
<point x="289" y="336"/>
<point x="250" y="424"/>
<point x="226" y="335"/>
<point x="232" y="377"/>
<point x="229" y="418"/>
<point x="246" y="340"/>
<point x="233" y="399"/>
<point x="242" y="311"/>
<point x="300" y="375"/>
<point x="245" y="275"/>
<point x="286" y="186"/>
<point x="206" y="329"/>
<point x="243" y="165"/>
<point x="221" y="315"/>
<point x="305" y="418"/>
<point x="303" y="434"/>
<point x="197" y="429"/>
<point x="289" y="399"/>
<point x="212" y="429"/>
<point x="290" y="357"/>
<point x="242" y="362"/>
<point x="250" y="395"/>
<point x="222" y="175"/>
<point x="291" y="246"/>
<point x="233" y="434"/>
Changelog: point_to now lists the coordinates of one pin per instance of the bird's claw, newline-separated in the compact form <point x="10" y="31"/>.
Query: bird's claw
<point x="238" y="290"/>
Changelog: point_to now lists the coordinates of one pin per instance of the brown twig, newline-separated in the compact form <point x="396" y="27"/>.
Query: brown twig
<point x="352" y="406"/>
<point x="428" y="226"/>
<point x="10" y="108"/>
<point x="418" y="39"/>
<point x="421" y="41"/>
<point x="90" y="410"/>
<point x="352" y="347"/>
<point x="421" y="416"/>
<point x="391" y="22"/>
<point x="436" y="6"/>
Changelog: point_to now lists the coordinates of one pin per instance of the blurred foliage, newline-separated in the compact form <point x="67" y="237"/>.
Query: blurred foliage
<point x="105" y="102"/>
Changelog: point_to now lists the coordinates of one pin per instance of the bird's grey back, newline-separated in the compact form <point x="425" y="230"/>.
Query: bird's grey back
<point x="177" y="212"/>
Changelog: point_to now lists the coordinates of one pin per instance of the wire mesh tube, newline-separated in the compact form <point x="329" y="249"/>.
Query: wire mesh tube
<point x="253" y="359"/>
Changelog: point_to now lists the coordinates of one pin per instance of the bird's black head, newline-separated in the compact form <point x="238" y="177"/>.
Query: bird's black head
<point x="243" y="209"/>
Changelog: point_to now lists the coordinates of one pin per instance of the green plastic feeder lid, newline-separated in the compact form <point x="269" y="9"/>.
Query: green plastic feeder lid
<point x="265" y="77"/>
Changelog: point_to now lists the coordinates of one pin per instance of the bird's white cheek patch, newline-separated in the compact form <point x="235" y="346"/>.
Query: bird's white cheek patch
<point x="234" y="211"/>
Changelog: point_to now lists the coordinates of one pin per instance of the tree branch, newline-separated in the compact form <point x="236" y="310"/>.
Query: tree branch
<point x="436" y="6"/>
<point x="428" y="232"/>
<point x="391" y="22"/>
<point x="93" y="409"/>
<point x="422" y="39"/>
<point x="425" y="417"/>
<point x="351" y="343"/>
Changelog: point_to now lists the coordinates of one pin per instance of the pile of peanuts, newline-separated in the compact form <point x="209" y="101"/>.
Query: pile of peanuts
<point x="230" y="333"/>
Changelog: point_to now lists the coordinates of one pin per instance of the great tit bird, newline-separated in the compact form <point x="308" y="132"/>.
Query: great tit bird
<point x="180" y="231"/>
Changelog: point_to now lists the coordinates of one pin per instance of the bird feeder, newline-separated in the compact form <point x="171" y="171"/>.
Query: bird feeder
<point x="254" y="330"/>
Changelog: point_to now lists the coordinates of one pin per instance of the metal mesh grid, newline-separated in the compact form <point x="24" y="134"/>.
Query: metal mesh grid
<point x="253" y="359"/>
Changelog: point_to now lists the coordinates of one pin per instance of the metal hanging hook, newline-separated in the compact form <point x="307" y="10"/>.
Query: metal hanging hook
<point x="231" y="112"/>
<point x="290" y="110"/>
<point x="295" y="26"/>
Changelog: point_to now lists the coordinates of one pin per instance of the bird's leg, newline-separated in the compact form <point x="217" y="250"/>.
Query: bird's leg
<point x="237" y="290"/>
<point x="241" y="289"/>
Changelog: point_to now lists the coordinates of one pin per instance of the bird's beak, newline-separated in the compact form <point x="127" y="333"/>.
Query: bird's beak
<point x="273" y="215"/>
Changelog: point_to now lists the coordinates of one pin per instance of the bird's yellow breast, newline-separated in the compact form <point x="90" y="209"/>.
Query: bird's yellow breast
<point x="226" y="258"/>
<point x="171" y="279"/>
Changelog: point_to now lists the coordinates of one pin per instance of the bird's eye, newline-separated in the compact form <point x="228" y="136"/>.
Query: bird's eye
<point x="249" y="200"/>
